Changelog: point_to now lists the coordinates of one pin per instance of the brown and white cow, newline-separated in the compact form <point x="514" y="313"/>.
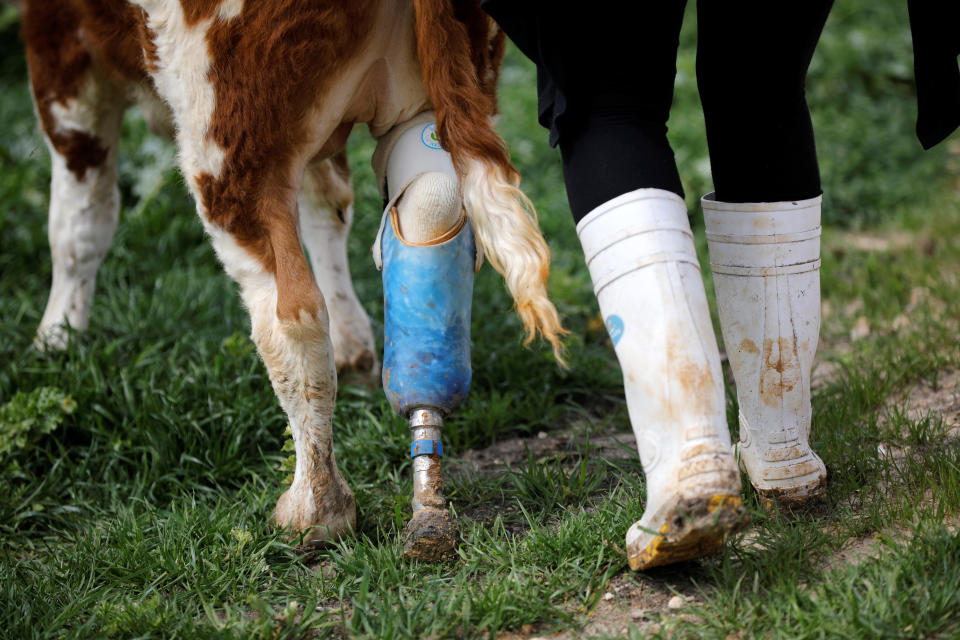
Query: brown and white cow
<point x="261" y="97"/>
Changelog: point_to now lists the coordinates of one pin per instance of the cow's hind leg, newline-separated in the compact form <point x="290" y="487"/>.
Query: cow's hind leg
<point x="428" y="256"/>
<point x="326" y="214"/>
<point x="80" y="117"/>
<point x="290" y="326"/>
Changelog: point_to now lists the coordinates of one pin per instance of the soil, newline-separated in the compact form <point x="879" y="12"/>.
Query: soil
<point x="512" y="453"/>
<point x="641" y="600"/>
<point x="940" y="400"/>
<point x="631" y="600"/>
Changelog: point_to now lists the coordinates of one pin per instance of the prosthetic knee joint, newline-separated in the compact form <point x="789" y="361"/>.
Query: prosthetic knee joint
<point x="427" y="253"/>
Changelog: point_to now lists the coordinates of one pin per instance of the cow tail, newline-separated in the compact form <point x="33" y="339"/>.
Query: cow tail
<point x="503" y="218"/>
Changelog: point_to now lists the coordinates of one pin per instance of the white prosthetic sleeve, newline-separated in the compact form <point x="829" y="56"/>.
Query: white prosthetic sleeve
<point x="429" y="208"/>
<point x="765" y="259"/>
<point x="419" y="184"/>
<point x="641" y="256"/>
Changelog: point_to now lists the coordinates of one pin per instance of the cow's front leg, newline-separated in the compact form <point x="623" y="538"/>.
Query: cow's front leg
<point x="245" y="136"/>
<point x="428" y="256"/>
<point x="80" y="113"/>
<point x="326" y="214"/>
<point x="290" y="326"/>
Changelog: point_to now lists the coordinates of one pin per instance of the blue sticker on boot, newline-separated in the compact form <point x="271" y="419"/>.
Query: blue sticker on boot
<point x="615" y="328"/>
<point x="428" y="136"/>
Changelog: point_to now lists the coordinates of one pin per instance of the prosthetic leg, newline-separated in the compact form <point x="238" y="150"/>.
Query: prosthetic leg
<point x="427" y="253"/>
<point x="641" y="257"/>
<point x="765" y="259"/>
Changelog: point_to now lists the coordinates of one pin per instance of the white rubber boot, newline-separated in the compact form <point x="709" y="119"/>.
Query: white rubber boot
<point x="641" y="257"/>
<point x="765" y="259"/>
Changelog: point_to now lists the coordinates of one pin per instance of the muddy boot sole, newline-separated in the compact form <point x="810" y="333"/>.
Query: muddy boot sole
<point x="692" y="527"/>
<point x="807" y="489"/>
<point x="793" y="502"/>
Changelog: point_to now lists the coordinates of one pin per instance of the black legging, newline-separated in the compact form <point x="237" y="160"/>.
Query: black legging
<point x="606" y="72"/>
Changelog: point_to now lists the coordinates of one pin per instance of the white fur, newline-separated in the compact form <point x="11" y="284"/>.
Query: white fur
<point x="298" y="353"/>
<point x="83" y="212"/>
<point x="325" y="236"/>
<point x="182" y="79"/>
<point x="229" y="9"/>
<point x="299" y="360"/>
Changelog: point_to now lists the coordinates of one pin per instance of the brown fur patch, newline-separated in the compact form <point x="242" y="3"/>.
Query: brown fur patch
<point x="195" y="11"/>
<point x="112" y="33"/>
<point x="64" y="40"/>
<point x="487" y="44"/>
<point x="151" y="59"/>
<point x="58" y="62"/>
<point x="450" y="58"/>
<point x="269" y="65"/>
<point x="296" y="290"/>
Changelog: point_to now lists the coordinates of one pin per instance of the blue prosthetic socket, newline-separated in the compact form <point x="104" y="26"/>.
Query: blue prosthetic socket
<point x="427" y="294"/>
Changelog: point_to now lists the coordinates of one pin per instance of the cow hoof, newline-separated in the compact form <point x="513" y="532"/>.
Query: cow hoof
<point x="326" y="520"/>
<point x="50" y="339"/>
<point x="430" y="536"/>
<point x="361" y="370"/>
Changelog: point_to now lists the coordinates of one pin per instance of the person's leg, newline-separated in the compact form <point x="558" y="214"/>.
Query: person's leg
<point x="625" y="193"/>
<point x="752" y="61"/>
<point x="763" y="228"/>
<point x="642" y="260"/>
<point x="616" y="149"/>
<point x="618" y="85"/>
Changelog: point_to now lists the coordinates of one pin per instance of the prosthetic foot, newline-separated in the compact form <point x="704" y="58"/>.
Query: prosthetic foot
<point x="766" y="261"/>
<point x="641" y="257"/>
<point x="428" y="256"/>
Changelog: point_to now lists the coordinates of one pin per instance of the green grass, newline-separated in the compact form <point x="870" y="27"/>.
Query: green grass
<point x="137" y="504"/>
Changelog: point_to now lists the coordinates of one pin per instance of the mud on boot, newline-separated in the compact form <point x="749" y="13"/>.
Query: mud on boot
<point x="691" y="528"/>
<point x="693" y="500"/>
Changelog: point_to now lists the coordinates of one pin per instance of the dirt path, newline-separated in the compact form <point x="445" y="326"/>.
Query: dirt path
<point x="641" y="600"/>
<point x="940" y="401"/>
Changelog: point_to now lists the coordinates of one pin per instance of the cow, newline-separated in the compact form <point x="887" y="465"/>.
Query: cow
<point x="260" y="98"/>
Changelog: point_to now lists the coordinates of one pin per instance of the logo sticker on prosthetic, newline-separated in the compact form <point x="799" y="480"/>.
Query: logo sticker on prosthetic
<point x="429" y="136"/>
<point x="615" y="328"/>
